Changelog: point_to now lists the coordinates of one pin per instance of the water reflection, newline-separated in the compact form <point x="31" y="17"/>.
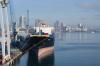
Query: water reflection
<point x="32" y="58"/>
<point x="60" y="35"/>
<point x="78" y="37"/>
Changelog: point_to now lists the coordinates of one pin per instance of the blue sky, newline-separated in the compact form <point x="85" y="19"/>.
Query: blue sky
<point x="67" y="11"/>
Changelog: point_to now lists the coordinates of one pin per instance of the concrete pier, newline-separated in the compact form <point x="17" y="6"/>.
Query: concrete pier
<point x="15" y="53"/>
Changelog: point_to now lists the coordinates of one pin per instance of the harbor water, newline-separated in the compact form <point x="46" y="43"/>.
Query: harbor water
<point x="71" y="49"/>
<point x="77" y="49"/>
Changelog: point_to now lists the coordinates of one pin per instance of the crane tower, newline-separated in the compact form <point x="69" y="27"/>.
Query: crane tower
<point x="5" y="37"/>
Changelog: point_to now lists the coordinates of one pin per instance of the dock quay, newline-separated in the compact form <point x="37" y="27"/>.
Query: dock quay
<point x="15" y="53"/>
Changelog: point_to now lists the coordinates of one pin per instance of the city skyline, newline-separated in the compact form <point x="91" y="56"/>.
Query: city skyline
<point x="67" y="11"/>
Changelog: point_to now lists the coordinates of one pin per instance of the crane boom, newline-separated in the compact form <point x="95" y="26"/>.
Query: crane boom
<point x="12" y="16"/>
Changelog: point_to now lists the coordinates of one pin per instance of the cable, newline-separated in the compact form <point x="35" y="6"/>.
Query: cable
<point x="34" y="45"/>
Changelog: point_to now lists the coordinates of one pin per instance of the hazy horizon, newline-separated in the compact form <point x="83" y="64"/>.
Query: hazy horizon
<point x="66" y="11"/>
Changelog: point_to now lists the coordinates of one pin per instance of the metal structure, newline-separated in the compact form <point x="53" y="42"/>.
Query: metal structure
<point x="12" y="23"/>
<point x="5" y="42"/>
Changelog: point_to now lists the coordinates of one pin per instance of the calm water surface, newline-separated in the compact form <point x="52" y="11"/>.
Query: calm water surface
<point x="71" y="49"/>
<point x="77" y="49"/>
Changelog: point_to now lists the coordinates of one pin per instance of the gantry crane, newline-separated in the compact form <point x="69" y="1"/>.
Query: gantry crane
<point x="5" y="38"/>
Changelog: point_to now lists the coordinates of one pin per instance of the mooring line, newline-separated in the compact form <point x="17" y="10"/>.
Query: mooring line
<point x="34" y="45"/>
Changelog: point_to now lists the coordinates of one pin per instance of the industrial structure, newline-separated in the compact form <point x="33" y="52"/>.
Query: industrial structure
<point x="5" y="32"/>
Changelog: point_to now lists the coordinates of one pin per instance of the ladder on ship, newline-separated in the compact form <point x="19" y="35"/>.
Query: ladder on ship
<point x="5" y="32"/>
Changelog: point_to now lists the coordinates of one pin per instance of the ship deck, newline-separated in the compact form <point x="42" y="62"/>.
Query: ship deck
<point x="39" y="35"/>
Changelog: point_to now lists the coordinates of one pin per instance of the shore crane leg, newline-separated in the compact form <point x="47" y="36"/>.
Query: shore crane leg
<point x="5" y="42"/>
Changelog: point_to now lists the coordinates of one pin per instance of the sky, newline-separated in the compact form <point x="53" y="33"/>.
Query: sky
<point x="66" y="11"/>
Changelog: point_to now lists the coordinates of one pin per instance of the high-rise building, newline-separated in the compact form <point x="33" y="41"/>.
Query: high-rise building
<point x="39" y="23"/>
<point x="23" y="22"/>
<point x="56" y="25"/>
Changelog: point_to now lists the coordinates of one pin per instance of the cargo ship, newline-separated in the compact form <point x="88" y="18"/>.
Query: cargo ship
<point x="40" y="39"/>
<point x="43" y="39"/>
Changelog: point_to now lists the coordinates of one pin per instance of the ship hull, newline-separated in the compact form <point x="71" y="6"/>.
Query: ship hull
<point x="40" y="45"/>
<point x="45" y="52"/>
<point x="45" y="46"/>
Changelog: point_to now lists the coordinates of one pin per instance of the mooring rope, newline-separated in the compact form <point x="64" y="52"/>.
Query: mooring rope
<point x="34" y="45"/>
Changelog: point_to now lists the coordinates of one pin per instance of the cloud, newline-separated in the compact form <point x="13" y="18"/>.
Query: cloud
<point x="91" y="5"/>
